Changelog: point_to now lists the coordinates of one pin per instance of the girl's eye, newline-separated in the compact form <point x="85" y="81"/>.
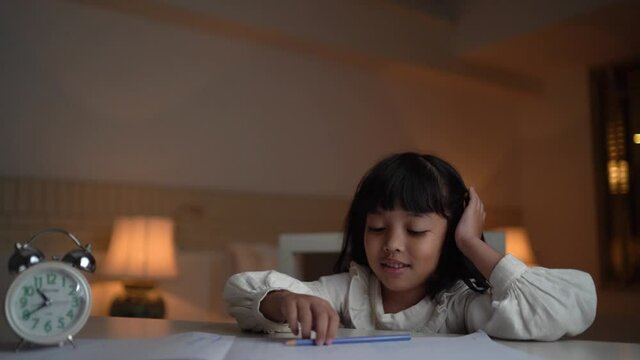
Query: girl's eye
<point x="374" y="229"/>
<point x="416" y="232"/>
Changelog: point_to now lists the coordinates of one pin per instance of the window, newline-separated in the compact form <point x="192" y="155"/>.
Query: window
<point x="616" y="123"/>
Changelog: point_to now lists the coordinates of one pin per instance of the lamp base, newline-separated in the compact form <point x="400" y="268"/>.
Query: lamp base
<point x="140" y="300"/>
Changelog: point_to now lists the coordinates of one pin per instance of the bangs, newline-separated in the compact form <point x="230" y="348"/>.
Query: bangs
<point x="410" y="183"/>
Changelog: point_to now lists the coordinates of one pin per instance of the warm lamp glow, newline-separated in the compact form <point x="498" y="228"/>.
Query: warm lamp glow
<point x="518" y="245"/>
<point x="141" y="248"/>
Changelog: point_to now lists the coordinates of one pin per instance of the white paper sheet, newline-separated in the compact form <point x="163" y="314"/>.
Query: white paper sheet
<point x="185" y="346"/>
<point x="474" y="346"/>
<point x="207" y="346"/>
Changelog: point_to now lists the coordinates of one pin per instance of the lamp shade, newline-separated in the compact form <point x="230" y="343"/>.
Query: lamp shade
<point x="518" y="244"/>
<point x="141" y="248"/>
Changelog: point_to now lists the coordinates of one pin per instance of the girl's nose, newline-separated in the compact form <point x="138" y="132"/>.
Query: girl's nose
<point x="395" y="242"/>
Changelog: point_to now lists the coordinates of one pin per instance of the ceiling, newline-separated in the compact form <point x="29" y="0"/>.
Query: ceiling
<point x="509" y="44"/>
<point x="608" y="34"/>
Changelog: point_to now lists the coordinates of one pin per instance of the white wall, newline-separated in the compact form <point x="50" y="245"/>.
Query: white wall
<point x="92" y="94"/>
<point x="558" y="174"/>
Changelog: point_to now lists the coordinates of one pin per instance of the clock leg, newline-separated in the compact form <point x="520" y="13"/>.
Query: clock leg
<point x="20" y="344"/>
<point x="70" y="339"/>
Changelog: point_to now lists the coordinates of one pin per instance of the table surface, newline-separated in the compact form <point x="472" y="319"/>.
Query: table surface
<point x="119" y="328"/>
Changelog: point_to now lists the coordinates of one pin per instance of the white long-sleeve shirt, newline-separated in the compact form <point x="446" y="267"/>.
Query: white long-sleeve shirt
<point x="524" y="303"/>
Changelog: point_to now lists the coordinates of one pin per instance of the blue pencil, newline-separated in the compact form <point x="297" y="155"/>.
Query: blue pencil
<point x="352" y="340"/>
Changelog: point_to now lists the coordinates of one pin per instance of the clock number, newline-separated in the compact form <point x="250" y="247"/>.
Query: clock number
<point x="70" y="314"/>
<point x="35" y="322"/>
<point x="28" y="290"/>
<point x="72" y="289"/>
<point x="51" y="279"/>
<point x="75" y="302"/>
<point x="23" y="302"/>
<point x="61" y="323"/>
<point x="47" y="326"/>
<point x="37" y="281"/>
<point x="26" y="314"/>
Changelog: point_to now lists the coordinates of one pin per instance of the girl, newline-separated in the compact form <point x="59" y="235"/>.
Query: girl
<point x="413" y="259"/>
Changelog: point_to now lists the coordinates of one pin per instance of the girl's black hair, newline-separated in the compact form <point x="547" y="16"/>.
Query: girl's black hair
<point x="419" y="184"/>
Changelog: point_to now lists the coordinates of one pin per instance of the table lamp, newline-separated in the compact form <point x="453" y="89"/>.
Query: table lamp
<point x="141" y="251"/>
<point x="518" y="244"/>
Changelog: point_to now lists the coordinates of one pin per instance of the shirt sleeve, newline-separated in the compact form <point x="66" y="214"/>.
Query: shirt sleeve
<point x="244" y="292"/>
<point x="527" y="303"/>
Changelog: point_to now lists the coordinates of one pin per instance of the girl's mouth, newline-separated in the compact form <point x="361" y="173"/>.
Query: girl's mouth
<point x="393" y="266"/>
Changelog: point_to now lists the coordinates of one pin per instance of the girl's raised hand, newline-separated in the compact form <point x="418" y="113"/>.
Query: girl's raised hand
<point x="312" y="312"/>
<point x="472" y="220"/>
<point x="468" y="234"/>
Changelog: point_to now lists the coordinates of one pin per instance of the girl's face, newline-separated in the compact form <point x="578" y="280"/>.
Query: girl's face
<point x="403" y="249"/>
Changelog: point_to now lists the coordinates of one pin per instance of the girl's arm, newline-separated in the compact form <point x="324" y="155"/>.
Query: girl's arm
<point x="525" y="304"/>
<point x="468" y="233"/>
<point x="251" y="296"/>
<point x="311" y="312"/>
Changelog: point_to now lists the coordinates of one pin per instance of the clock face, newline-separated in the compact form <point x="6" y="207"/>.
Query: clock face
<point x="48" y="302"/>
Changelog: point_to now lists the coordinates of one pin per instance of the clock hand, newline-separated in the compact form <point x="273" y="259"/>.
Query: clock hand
<point x="43" y="296"/>
<point x="41" y="306"/>
<point x="46" y="303"/>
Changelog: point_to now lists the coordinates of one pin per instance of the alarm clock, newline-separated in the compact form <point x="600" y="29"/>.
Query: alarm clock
<point x="49" y="301"/>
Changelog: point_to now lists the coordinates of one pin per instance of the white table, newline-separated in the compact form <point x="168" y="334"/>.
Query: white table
<point x="119" y="328"/>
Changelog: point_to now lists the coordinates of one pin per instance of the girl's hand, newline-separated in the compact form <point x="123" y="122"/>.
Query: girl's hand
<point x="312" y="312"/>
<point x="468" y="234"/>
<point x="472" y="221"/>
